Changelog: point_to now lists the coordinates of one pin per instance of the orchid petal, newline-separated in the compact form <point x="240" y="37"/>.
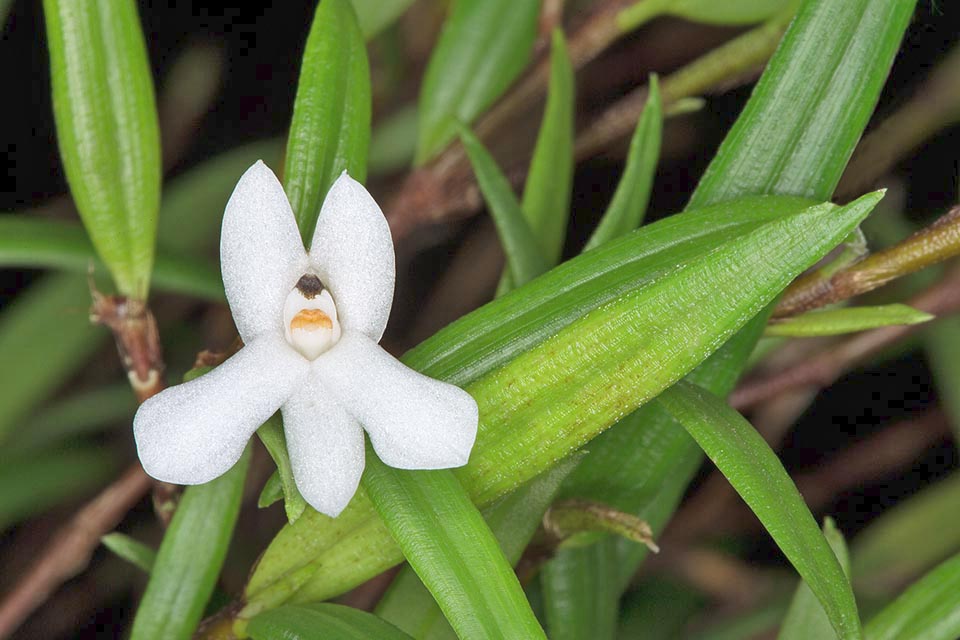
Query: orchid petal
<point x="196" y="431"/>
<point x="414" y="422"/>
<point x="352" y="252"/>
<point x="261" y="254"/>
<point x="326" y="448"/>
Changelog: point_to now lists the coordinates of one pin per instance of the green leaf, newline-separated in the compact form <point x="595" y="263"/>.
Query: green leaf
<point x="643" y="319"/>
<point x="79" y="414"/>
<point x="728" y="12"/>
<point x="322" y="622"/>
<point x="546" y="194"/>
<point x="272" y="436"/>
<point x="756" y="623"/>
<point x="483" y="47"/>
<point x="393" y="141"/>
<point x="193" y="203"/>
<point x="190" y="557"/>
<point x="330" y="131"/>
<point x="747" y="461"/>
<point x="131" y="550"/>
<point x="107" y="131"/>
<point x="271" y="492"/>
<point x="831" y="322"/>
<point x="34" y="363"/>
<point x="513" y="520"/>
<point x="812" y="103"/>
<point x="31" y="484"/>
<point x="659" y="609"/>
<point x="928" y="610"/>
<point x="886" y="553"/>
<point x="624" y="353"/>
<point x="446" y="541"/>
<point x="569" y="582"/>
<point x="630" y="200"/>
<point x="27" y="241"/>
<point x="524" y="256"/>
<point x="942" y="348"/>
<point x="376" y="15"/>
<point x="806" y="618"/>
<point x="851" y="39"/>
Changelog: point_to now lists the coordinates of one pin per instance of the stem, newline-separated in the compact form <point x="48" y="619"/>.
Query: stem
<point x="731" y="60"/>
<point x="638" y="14"/>
<point x="933" y="244"/>
<point x="70" y="550"/>
<point x="825" y="367"/>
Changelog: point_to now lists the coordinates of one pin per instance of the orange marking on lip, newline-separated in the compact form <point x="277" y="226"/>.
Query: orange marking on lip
<point x="311" y="320"/>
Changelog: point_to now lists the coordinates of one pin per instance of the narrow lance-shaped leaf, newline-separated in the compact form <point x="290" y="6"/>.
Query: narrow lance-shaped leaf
<point x="524" y="256"/>
<point x="330" y="131"/>
<point x="728" y="12"/>
<point x="928" y="610"/>
<point x="833" y="322"/>
<point x="513" y="520"/>
<point x="629" y="204"/>
<point x="680" y="314"/>
<point x="376" y="15"/>
<point x="446" y="541"/>
<point x="272" y="436"/>
<point x="942" y="347"/>
<point x="546" y="193"/>
<point x="848" y="44"/>
<point x="806" y="618"/>
<point x="28" y="241"/>
<point x="35" y="364"/>
<point x="747" y="461"/>
<point x="483" y="47"/>
<point x="190" y="556"/>
<point x="73" y="416"/>
<point x="886" y="553"/>
<point x="107" y="131"/>
<point x="811" y="105"/>
<point x="322" y="621"/>
<point x="570" y="582"/>
<point x="33" y="483"/>
<point x="131" y="550"/>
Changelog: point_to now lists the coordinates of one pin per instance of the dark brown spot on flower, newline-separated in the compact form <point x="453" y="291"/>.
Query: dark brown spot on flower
<point x="310" y="286"/>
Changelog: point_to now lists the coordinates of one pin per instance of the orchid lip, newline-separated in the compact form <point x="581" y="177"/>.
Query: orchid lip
<point x="310" y="321"/>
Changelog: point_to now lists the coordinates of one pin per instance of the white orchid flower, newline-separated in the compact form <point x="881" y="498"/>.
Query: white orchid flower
<point x="310" y="322"/>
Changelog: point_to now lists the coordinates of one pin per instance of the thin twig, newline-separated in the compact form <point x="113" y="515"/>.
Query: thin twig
<point x="933" y="244"/>
<point x="726" y="578"/>
<point x="69" y="552"/>
<point x="551" y="17"/>
<point x="825" y="367"/>
<point x="892" y="448"/>
<point x="740" y="59"/>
